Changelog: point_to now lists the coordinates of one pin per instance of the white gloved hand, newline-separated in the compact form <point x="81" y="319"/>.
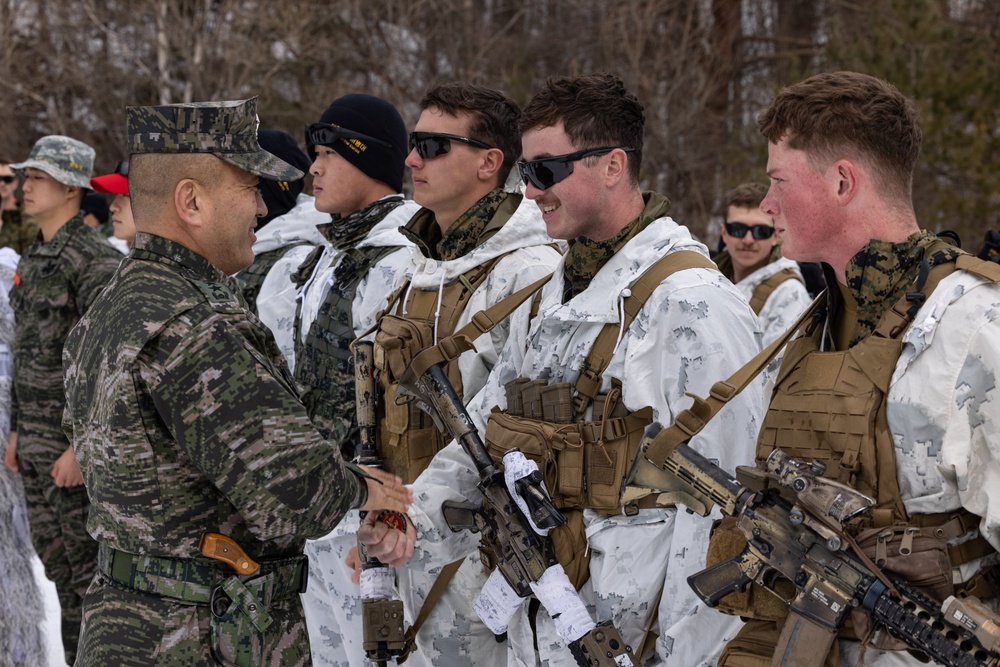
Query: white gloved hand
<point x="517" y="466"/>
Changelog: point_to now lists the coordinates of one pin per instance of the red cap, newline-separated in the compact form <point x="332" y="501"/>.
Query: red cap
<point x="115" y="184"/>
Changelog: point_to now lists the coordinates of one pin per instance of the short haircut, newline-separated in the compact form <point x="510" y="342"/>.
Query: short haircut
<point x="152" y="178"/>
<point x="595" y="110"/>
<point x="847" y="114"/>
<point x="495" y="117"/>
<point x="744" y="195"/>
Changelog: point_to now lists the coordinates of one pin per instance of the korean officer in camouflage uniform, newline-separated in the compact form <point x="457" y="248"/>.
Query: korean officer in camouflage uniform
<point x="58" y="278"/>
<point x="185" y="419"/>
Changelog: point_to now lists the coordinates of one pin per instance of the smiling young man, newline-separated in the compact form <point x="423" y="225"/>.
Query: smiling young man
<point x="752" y="260"/>
<point x="58" y="278"/>
<point x="187" y="422"/>
<point x="582" y="149"/>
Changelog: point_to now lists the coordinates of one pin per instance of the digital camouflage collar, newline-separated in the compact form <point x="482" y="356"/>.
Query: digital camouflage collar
<point x="585" y="257"/>
<point x="473" y="228"/>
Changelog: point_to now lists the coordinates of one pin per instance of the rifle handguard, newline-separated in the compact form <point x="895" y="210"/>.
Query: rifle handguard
<point x="602" y="647"/>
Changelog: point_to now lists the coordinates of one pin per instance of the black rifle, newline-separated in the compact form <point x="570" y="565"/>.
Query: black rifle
<point x="523" y="555"/>
<point x="803" y="541"/>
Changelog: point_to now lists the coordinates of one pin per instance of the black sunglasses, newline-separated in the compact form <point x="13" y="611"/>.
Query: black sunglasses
<point x="435" y="144"/>
<point x="739" y="230"/>
<point x="122" y="168"/>
<point x="8" y="179"/>
<point x="545" y="172"/>
<point x="323" y="134"/>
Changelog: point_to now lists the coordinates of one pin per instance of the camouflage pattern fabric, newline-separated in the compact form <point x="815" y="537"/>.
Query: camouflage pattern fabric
<point x="585" y="257"/>
<point x="469" y="231"/>
<point x="324" y="365"/>
<point x="65" y="159"/>
<point x="251" y="279"/>
<point x="879" y="275"/>
<point x="227" y="130"/>
<point x="56" y="283"/>
<point x="18" y="231"/>
<point x="185" y="421"/>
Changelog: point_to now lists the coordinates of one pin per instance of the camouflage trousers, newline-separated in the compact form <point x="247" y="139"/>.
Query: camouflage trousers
<point x="58" y="519"/>
<point x="122" y="626"/>
<point x="333" y="602"/>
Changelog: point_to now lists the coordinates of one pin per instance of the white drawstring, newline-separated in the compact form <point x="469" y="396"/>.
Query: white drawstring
<point x="406" y="297"/>
<point x="626" y="293"/>
<point x="437" y="313"/>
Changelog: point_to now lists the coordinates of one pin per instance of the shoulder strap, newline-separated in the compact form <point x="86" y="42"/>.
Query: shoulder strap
<point x="588" y="384"/>
<point x="767" y="287"/>
<point x="450" y="347"/>
<point x="689" y="422"/>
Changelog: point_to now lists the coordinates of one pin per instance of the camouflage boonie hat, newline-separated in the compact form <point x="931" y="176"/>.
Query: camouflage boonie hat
<point x="227" y="130"/>
<point x="68" y="160"/>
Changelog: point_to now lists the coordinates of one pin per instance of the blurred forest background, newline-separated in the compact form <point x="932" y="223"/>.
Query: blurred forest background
<point x="703" y="68"/>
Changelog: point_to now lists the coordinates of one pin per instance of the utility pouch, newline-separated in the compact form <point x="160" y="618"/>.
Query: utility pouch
<point x="556" y="448"/>
<point x="239" y="622"/>
<point x="754" y="646"/>
<point x="909" y="554"/>
<point x="408" y="438"/>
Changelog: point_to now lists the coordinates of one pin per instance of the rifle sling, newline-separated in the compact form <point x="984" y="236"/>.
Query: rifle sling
<point x="433" y="595"/>
<point x="450" y="347"/>
<point x="690" y="422"/>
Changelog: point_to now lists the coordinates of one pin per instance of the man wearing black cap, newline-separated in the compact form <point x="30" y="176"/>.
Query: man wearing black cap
<point x="358" y="149"/>
<point x="285" y="236"/>
<point x="204" y="472"/>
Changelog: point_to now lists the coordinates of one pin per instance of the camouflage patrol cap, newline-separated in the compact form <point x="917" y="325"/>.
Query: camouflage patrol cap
<point x="227" y="130"/>
<point x="68" y="160"/>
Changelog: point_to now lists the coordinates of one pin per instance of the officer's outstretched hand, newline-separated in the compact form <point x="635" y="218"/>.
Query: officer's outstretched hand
<point x="389" y="495"/>
<point x="390" y="545"/>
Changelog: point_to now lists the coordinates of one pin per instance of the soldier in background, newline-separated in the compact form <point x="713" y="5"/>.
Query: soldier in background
<point x="57" y="280"/>
<point x="122" y="226"/>
<point x="285" y="237"/>
<point x="186" y="421"/>
<point x="17" y="230"/>
<point x="752" y="260"/>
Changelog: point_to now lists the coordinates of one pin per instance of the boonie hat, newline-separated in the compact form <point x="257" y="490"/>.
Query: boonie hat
<point x="227" y="130"/>
<point x="68" y="160"/>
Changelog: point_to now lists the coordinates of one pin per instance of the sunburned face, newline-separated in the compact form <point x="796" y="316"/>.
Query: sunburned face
<point x="799" y="200"/>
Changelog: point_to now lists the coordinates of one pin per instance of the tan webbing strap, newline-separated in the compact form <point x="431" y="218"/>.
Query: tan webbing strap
<point x="648" y="636"/>
<point x="766" y="288"/>
<point x="450" y="347"/>
<point x="691" y="421"/>
<point x="433" y="595"/>
<point x="588" y="384"/>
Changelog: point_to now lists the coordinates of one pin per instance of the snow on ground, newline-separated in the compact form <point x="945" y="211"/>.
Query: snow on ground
<point x="51" y="629"/>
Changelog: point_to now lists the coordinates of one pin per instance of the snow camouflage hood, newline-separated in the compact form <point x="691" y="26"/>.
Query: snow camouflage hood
<point x="227" y="130"/>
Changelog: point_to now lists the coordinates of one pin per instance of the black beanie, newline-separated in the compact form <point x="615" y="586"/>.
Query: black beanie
<point x="377" y="118"/>
<point x="280" y="196"/>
